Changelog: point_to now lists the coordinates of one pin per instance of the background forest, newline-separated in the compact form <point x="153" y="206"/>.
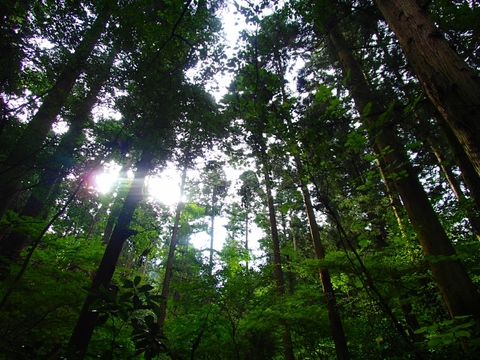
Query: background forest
<point x="353" y="131"/>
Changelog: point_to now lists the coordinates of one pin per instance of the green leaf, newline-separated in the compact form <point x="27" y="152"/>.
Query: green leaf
<point x="285" y="207"/>
<point x="464" y="326"/>
<point x="156" y="309"/>
<point x="366" y="109"/>
<point x="435" y="342"/>
<point x="145" y="288"/>
<point x="462" y="333"/>
<point x="137" y="302"/>
<point x="363" y="243"/>
<point x="127" y="284"/>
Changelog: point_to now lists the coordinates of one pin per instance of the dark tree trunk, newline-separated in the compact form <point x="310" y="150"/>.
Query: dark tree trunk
<point x="86" y="321"/>
<point x="470" y="177"/>
<point x="452" y="86"/>
<point x="277" y="259"/>
<point x="335" y="321"/>
<point x="459" y="293"/>
<point x="393" y="196"/>
<point x="59" y="164"/>
<point x="212" y="227"/>
<point x="117" y="203"/>
<point x="24" y="153"/>
<point x="171" y="254"/>
<point x="473" y="218"/>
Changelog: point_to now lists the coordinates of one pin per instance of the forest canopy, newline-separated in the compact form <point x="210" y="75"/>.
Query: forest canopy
<point x="341" y="160"/>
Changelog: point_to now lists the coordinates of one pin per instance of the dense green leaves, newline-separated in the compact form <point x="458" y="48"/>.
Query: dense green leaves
<point x="127" y="85"/>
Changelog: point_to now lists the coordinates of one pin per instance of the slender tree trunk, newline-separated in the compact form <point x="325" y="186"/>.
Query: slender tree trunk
<point x="37" y="205"/>
<point x="171" y="253"/>
<point x="277" y="259"/>
<point x="116" y="206"/>
<point x="448" y="173"/>
<point x="473" y="219"/>
<point x="247" y="220"/>
<point x="393" y="196"/>
<point x="24" y="152"/>
<point x="470" y="177"/>
<point x="212" y="227"/>
<point x="459" y="293"/>
<point x="452" y="86"/>
<point x="86" y="321"/>
<point x="335" y="321"/>
<point x="368" y="281"/>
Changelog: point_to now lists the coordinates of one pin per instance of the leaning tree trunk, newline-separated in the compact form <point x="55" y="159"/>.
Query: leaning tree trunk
<point x="458" y="291"/>
<point x="59" y="164"/>
<point x="470" y="177"/>
<point x="24" y="153"/>
<point x="86" y="321"/>
<point x="121" y="189"/>
<point x="171" y="254"/>
<point x="452" y="86"/>
<point x="277" y="259"/>
<point x="335" y="321"/>
<point x="472" y="216"/>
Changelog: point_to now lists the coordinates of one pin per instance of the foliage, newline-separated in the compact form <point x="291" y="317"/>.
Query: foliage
<point x="288" y="124"/>
<point x="133" y="305"/>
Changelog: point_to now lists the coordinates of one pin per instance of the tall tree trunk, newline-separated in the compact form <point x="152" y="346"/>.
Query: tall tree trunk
<point x="212" y="227"/>
<point x="171" y="253"/>
<point x="335" y="321"/>
<point x="24" y="152"/>
<point x="470" y="177"/>
<point x="452" y="86"/>
<point x="86" y="321"/>
<point x="277" y="259"/>
<point x="395" y="202"/>
<point x="59" y="164"/>
<point x="473" y="218"/>
<point x="459" y="293"/>
<point x="368" y="282"/>
<point x="117" y="202"/>
<point x="247" y="220"/>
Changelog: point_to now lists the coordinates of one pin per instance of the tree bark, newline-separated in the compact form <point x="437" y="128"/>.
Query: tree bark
<point x="116" y="207"/>
<point x="247" y="220"/>
<point x="458" y="291"/>
<point x="86" y="321"/>
<point x="59" y="164"/>
<point x="212" y="227"/>
<point x="277" y="259"/>
<point x="171" y="253"/>
<point x="473" y="218"/>
<point x="451" y="85"/>
<point x="470" y="177"/>
<point x="335" y="321"/>
<point x="23" y="155"/>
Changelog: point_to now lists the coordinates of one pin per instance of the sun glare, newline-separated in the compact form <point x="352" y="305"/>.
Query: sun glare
<point x="164" y="188"/>
<point x="105" y="179"/>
